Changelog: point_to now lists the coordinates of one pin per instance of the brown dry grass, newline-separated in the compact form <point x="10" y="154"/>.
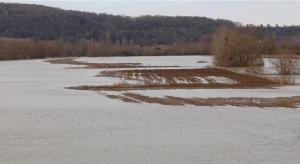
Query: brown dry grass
<point x="244" y="81"/>
<point x="284" y="102"/>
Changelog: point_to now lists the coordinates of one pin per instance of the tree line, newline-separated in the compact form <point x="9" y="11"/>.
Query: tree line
<point x="240" y="43"/>
<point x="15" y="48"/>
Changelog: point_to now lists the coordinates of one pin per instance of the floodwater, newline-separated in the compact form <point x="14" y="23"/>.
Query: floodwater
<point x="42" y="122"/>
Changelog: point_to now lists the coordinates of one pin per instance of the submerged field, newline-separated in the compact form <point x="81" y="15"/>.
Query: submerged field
<point x="146" y="110"/>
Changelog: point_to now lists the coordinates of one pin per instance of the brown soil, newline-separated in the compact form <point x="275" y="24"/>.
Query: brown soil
<point x="153" y="79"/>
<point x="72" y="61"/>
<point x="202" y="61"/>
<point x="123" y="98"/>
<point x="284" y="102"/>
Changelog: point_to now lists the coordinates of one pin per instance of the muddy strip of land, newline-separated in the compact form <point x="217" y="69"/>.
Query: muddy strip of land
<point x="284" y="102"/>
<point x="72" y="61"/>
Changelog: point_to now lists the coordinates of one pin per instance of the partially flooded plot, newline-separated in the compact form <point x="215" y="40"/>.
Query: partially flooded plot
<point x="180" y="79"/>
<point x="136" y="76"/>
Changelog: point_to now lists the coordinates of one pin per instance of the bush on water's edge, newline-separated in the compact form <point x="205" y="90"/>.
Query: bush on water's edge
<point x="242" y="47"/>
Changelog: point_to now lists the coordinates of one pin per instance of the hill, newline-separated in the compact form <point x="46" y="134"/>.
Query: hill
<point x="47" y="23"/>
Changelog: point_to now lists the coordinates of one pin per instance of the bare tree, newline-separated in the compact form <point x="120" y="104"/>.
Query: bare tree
<point x="234" y="48"/>
<point x="284" y="64"/>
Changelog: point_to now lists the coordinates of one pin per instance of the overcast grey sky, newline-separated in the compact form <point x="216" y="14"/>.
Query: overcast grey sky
<point x="246" y="12"/>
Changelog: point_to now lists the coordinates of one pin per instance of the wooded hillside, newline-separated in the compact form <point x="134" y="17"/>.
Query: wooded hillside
<point x="46" y="23"/>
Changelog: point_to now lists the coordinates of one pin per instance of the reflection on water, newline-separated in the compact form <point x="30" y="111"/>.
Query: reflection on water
<point x="296" y="71"/>
<point x="284" y="79"/>
<point x="262" y="71"/>
<point x="255" y="70"/>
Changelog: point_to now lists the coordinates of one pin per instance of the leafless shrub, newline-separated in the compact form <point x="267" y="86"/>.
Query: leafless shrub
<point x="284" y="65"/>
